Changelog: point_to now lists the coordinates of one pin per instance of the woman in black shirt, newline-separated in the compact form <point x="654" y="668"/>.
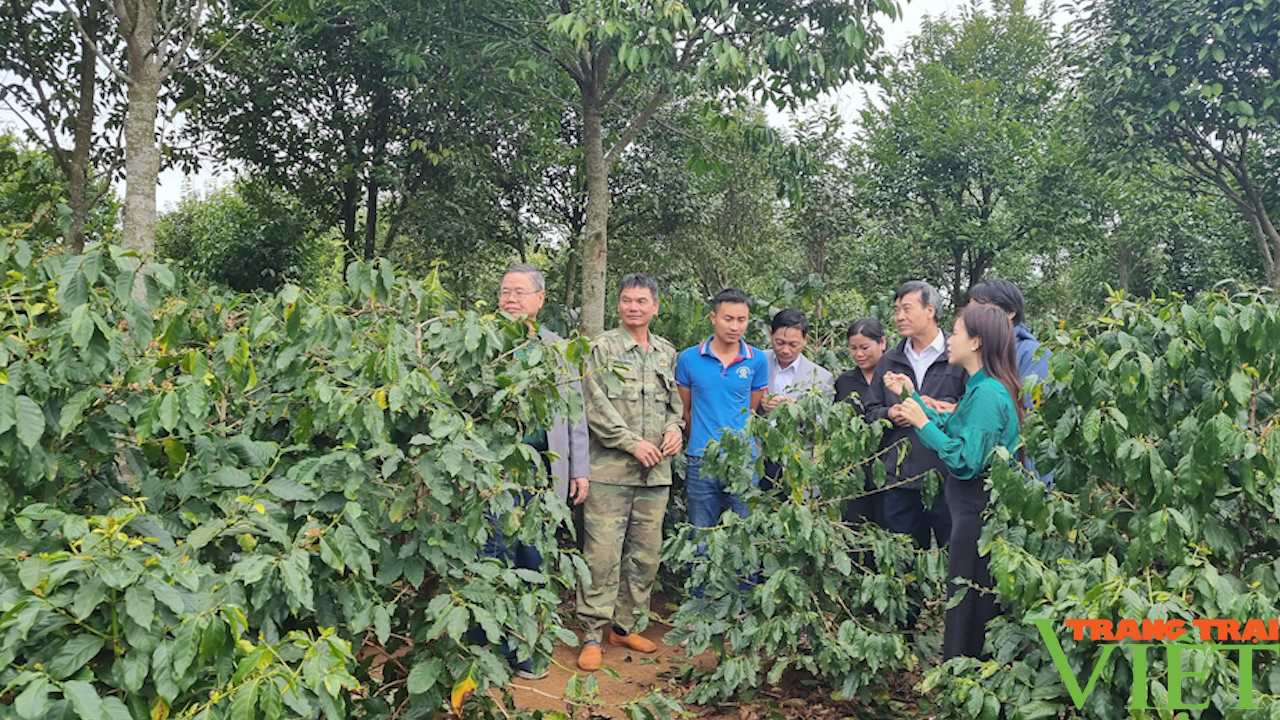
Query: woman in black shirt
<point x="867" y="343"/>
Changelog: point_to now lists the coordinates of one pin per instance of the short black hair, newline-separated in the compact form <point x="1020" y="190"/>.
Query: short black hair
<point x="868" y="327"/>
<point x="1004" y="295"/>
<point x="790" y="318"/>
<point x="929" y="296"/>
<point x="729" y="295"/>
<point x="639" y="280"/>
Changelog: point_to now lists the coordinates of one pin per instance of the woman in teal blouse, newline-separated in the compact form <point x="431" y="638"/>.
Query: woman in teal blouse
<point x="986" y="416"/>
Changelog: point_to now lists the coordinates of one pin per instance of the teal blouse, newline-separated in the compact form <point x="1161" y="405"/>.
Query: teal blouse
<point x="984" y="418"/>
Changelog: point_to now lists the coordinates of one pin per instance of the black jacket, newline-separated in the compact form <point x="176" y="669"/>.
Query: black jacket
<point x="942" y="381"/>
<point x="851" y="387"/>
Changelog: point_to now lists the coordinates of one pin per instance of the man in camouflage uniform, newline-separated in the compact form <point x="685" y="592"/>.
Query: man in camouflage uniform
<point x="635" y="418"/>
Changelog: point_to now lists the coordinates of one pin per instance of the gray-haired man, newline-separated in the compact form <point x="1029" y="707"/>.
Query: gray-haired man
<point x="922" y="356"/>
<point x="521" y="295"/>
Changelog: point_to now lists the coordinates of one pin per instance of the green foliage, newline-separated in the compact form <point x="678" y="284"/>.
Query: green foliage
<point x="137" y="615"/>
<point x="777" y="50"/>
<point x="1194" y="82"/>
<point x="687" y="204"/>
<point x="247" y="236"/>
<point x="211" y="502"/>
<point x="968" y="153"/>
<point x="1161" y="240"/>
<point x="792" y="586"/>
<point x="1158" y="424"/>
<point x="33" y="198"/>
<point x="1168" y="66"/>
<point x="342" y="105"/>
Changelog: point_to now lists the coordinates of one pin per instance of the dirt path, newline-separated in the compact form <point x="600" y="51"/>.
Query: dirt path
<point x="639" y="673"/>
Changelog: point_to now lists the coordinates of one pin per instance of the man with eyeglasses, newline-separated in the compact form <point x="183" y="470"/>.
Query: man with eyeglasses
<point x="563" y="446"/>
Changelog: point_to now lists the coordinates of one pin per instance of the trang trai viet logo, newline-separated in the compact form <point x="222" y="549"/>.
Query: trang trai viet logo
<point x="1177" y="639"/>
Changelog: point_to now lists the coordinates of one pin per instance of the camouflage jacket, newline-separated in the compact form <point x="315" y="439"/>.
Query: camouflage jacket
<point x="630" y="395"/>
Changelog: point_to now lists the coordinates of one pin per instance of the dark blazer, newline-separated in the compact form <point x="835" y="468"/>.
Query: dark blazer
<point x="942" y="381"/>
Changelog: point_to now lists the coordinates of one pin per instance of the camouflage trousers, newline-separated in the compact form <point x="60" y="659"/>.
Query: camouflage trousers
<point x="622" y="535"/>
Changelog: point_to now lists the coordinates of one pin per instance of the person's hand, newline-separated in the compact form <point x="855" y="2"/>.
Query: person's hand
<point x="648" y="454"/>
<point x="578" y="489"/>
<point x="671" y="443"/>
<point x="941" y="406"/>
<point x="913" y="413"/>
<point x="897" y="382"/>
<point x="773" y="401"/>
<point x="897" y="416"/>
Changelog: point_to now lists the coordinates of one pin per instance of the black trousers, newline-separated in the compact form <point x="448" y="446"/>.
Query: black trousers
<point x="904" y="512"/>
<point x="868" y="507"/>
<point x="965" y="626"/>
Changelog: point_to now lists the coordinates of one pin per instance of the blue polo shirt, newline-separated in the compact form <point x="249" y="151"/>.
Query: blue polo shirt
<point x="720" y="394"/>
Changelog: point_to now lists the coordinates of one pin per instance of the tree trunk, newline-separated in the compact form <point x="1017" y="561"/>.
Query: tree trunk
<point x="595" y="248"/>
<point x="78" y="171"/>
<point x="393" y="231"/>
<point x="571" y="272"/>
<point x="141" y="155"/>
<point x="371" y="221"/>
<point x="350" y="201"/>
<point x="957" y="276"/>
<point x="1268" y="244"/>
<point x="1124" y="267"/>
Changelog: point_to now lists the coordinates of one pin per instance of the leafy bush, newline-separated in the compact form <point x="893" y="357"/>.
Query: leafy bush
<point x="33" y="198"/>
<point x="793" y="585"/>
<point x="212" y="502"/>
<point x="247" y="236"/>
<point x="1158" y="425"/>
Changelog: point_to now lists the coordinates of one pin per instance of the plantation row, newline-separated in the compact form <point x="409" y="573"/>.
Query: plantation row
<point x="230" y="506"/>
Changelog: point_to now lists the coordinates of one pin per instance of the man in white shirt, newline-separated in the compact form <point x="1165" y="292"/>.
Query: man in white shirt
<point x="791" y="374"/>
<point x="922" y="354"/>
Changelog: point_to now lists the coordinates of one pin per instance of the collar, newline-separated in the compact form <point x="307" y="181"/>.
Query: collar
<point x="976" y="378"/>
<point x="773" y="361"/>
<point x="1022" y="332"/>
<point x="745" y="351"/>
<point x="939" y="344"/>
<point x="629" y="342"/>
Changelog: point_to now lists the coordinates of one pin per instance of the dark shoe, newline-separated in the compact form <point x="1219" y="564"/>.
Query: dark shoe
<point x="524" y="671"/>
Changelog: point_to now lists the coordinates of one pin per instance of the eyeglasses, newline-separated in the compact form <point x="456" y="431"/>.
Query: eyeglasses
<point x="516" y="293"/>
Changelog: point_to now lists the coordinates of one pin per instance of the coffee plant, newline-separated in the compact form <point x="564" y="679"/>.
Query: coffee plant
<point x="232" y="506"/>
<point x="1159" y="425"/>
<point x="793" y="585"/>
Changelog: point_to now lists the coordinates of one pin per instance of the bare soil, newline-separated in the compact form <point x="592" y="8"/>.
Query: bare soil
<point x="640" y="673"/>
<point x="796" y="697"/>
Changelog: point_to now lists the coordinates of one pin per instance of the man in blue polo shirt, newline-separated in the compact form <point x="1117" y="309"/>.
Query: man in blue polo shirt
<point x="721" y="380"/>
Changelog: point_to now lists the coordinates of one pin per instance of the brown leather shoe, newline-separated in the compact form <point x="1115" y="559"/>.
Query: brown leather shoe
<point x="589" y="659"/>
<point x="633" y="641"/>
